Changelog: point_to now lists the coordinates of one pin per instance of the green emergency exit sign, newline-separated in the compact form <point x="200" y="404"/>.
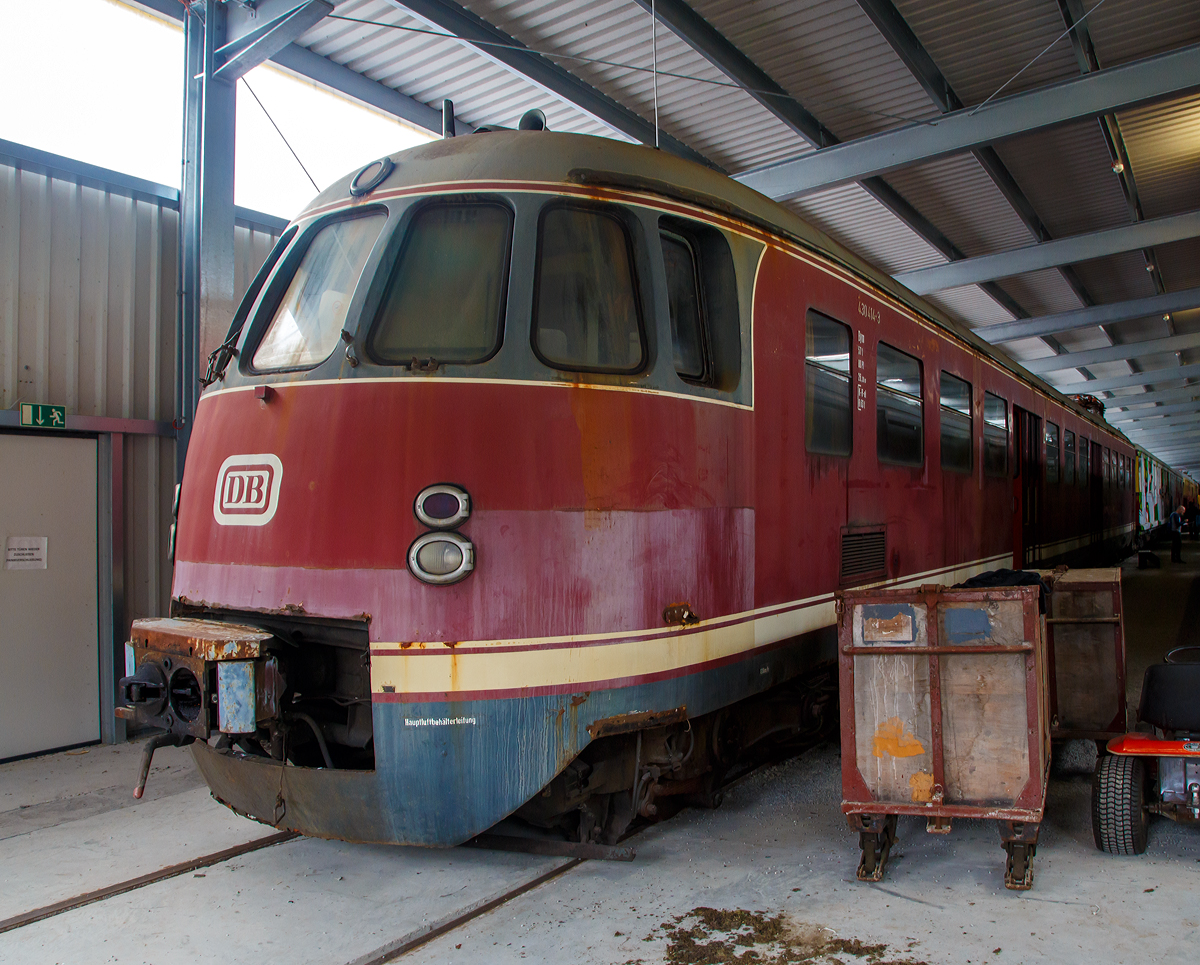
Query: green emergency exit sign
<point x="43" y="416"/>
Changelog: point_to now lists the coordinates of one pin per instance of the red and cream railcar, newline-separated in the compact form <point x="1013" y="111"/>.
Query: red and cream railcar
<point x="541" y="459"/>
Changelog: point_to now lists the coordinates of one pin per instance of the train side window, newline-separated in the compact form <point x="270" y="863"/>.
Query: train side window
<point x="956" y="423"/>
<point x="1052" y="453"/>
<point x="587" y="316"/>
<point x="1084" y="450"/>
<point x="312" y="313"/>
<point x="899" y="417"/>
<point x="445" y="299"/>
<point x="1068" y="465"/>
<point x="828" y="426"/>
<point x="703" y="302"/>
<point x="689" y="335"/>
<point x="995" y="435"/>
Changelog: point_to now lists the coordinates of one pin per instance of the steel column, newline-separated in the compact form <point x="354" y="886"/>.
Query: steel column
<point x="206" y="210"/>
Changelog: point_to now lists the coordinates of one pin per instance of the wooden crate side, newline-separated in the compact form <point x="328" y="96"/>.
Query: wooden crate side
<point x="892" y="731"/>
<point x="985" y="727"/>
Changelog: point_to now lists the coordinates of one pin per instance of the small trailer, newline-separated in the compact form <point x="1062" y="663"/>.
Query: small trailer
<point x="945" y="714"/>
<point x="1085" y="653"/>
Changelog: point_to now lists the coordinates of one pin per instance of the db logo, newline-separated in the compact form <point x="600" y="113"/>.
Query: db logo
<point x="247" y="490"/>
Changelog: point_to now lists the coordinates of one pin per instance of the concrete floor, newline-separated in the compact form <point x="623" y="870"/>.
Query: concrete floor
<point x="771" y="872"/>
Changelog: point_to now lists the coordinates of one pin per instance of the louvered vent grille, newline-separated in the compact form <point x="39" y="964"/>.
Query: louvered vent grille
<point x="863" y="555"/>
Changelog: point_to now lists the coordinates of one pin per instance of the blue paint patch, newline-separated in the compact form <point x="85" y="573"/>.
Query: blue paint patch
<point x="235" y="697"/>
<point x="963" y="625"/>
<point x="450" y="770"/>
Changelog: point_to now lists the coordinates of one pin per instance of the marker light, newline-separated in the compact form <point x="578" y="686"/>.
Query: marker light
<point x="441" y="558"/>
<point x="442" y="506"/>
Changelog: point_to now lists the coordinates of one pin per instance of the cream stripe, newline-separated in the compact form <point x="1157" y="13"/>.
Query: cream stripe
<point x="452" y="670"/>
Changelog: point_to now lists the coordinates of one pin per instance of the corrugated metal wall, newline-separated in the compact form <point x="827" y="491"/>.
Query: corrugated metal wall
<point x="87" y="320"/>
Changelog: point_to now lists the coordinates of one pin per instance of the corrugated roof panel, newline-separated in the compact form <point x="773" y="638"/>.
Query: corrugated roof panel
<point x="1024" y="349"/>
<point x="700" y="107"/>
<point x="1042" y="292"/>
<point x="1082" y="339"/>
<point x="429" y="68"/>
<point x="1116" y="278"/>
<point x="1125" y="30"/>
<point x="1180" y="264"/>
<point x="1164" y="149"/>
<point x="958" y="196"/>
<point x="1067" y="176"/>
<point x="853" y="217"/>
<point x="981" y="45"/>
<point x="829" y="56"/>
<point x="971" y="305"/>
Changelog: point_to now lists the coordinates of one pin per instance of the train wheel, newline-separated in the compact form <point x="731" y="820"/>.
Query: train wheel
<point x="1119" y="816"/>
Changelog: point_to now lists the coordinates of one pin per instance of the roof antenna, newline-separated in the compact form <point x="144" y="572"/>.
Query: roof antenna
<point x="654" y="63"/>
<point x="447" y="118"/>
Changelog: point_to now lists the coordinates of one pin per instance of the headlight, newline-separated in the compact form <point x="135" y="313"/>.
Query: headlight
<point x="442" y="506"/>
<point x="441" y="558"/>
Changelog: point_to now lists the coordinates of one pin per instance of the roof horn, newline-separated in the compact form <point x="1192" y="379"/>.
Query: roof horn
<point x="533" y="120"/>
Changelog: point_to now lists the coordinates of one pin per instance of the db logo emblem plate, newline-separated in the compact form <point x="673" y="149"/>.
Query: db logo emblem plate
<point x="248" y="490"/>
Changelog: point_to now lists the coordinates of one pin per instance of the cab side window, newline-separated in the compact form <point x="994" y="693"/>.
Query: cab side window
<point x="1052" y="452"/>
<point x="702" y="297"/>
<point x="1068" y="465"/>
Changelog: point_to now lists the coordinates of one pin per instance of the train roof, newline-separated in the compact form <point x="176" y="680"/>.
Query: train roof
<point x="581" y="159"/>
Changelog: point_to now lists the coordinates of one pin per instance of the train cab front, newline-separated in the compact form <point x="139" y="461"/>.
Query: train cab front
<point x="278" y="713"/>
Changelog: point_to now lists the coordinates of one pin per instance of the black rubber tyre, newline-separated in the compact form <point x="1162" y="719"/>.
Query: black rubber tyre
<point x="1119" y="816"/>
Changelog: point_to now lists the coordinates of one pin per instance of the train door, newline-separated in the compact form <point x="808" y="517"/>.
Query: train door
<point x="1027" y="487"/>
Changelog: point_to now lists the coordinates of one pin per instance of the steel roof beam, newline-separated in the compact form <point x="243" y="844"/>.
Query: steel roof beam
<point x="1053" y="254"/>
<point x="1114" y="353"/>
<point x="1179" y="430"/>
<point x="896" y="31"/>
<point x="1186" y="393"/>
<point x="254" y="39"/>
<point x="1154" y="412"/>
<point x="306" y="63"/>
<point x="1090" y="95"/>
<point x="1190" y="420"/>
<point x="1107" y="314"/>
<point x="491" y="42"/>
<point x="1148" y="377"/>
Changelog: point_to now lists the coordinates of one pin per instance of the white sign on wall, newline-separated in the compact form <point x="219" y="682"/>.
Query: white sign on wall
<point x="25" y="552"/>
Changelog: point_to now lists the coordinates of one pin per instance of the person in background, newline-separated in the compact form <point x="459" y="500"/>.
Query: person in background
<point x="1176" y="522"/>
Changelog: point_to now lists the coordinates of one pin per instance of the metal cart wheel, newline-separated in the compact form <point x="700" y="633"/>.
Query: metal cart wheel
<point x="1119" y="816"/>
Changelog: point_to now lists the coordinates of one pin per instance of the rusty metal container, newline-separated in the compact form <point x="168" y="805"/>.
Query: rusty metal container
<point x="944" y="714"/>
<point x="1085" y="647"/>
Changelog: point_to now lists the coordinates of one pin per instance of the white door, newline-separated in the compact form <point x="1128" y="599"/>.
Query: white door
<point x="49" y="631"/>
